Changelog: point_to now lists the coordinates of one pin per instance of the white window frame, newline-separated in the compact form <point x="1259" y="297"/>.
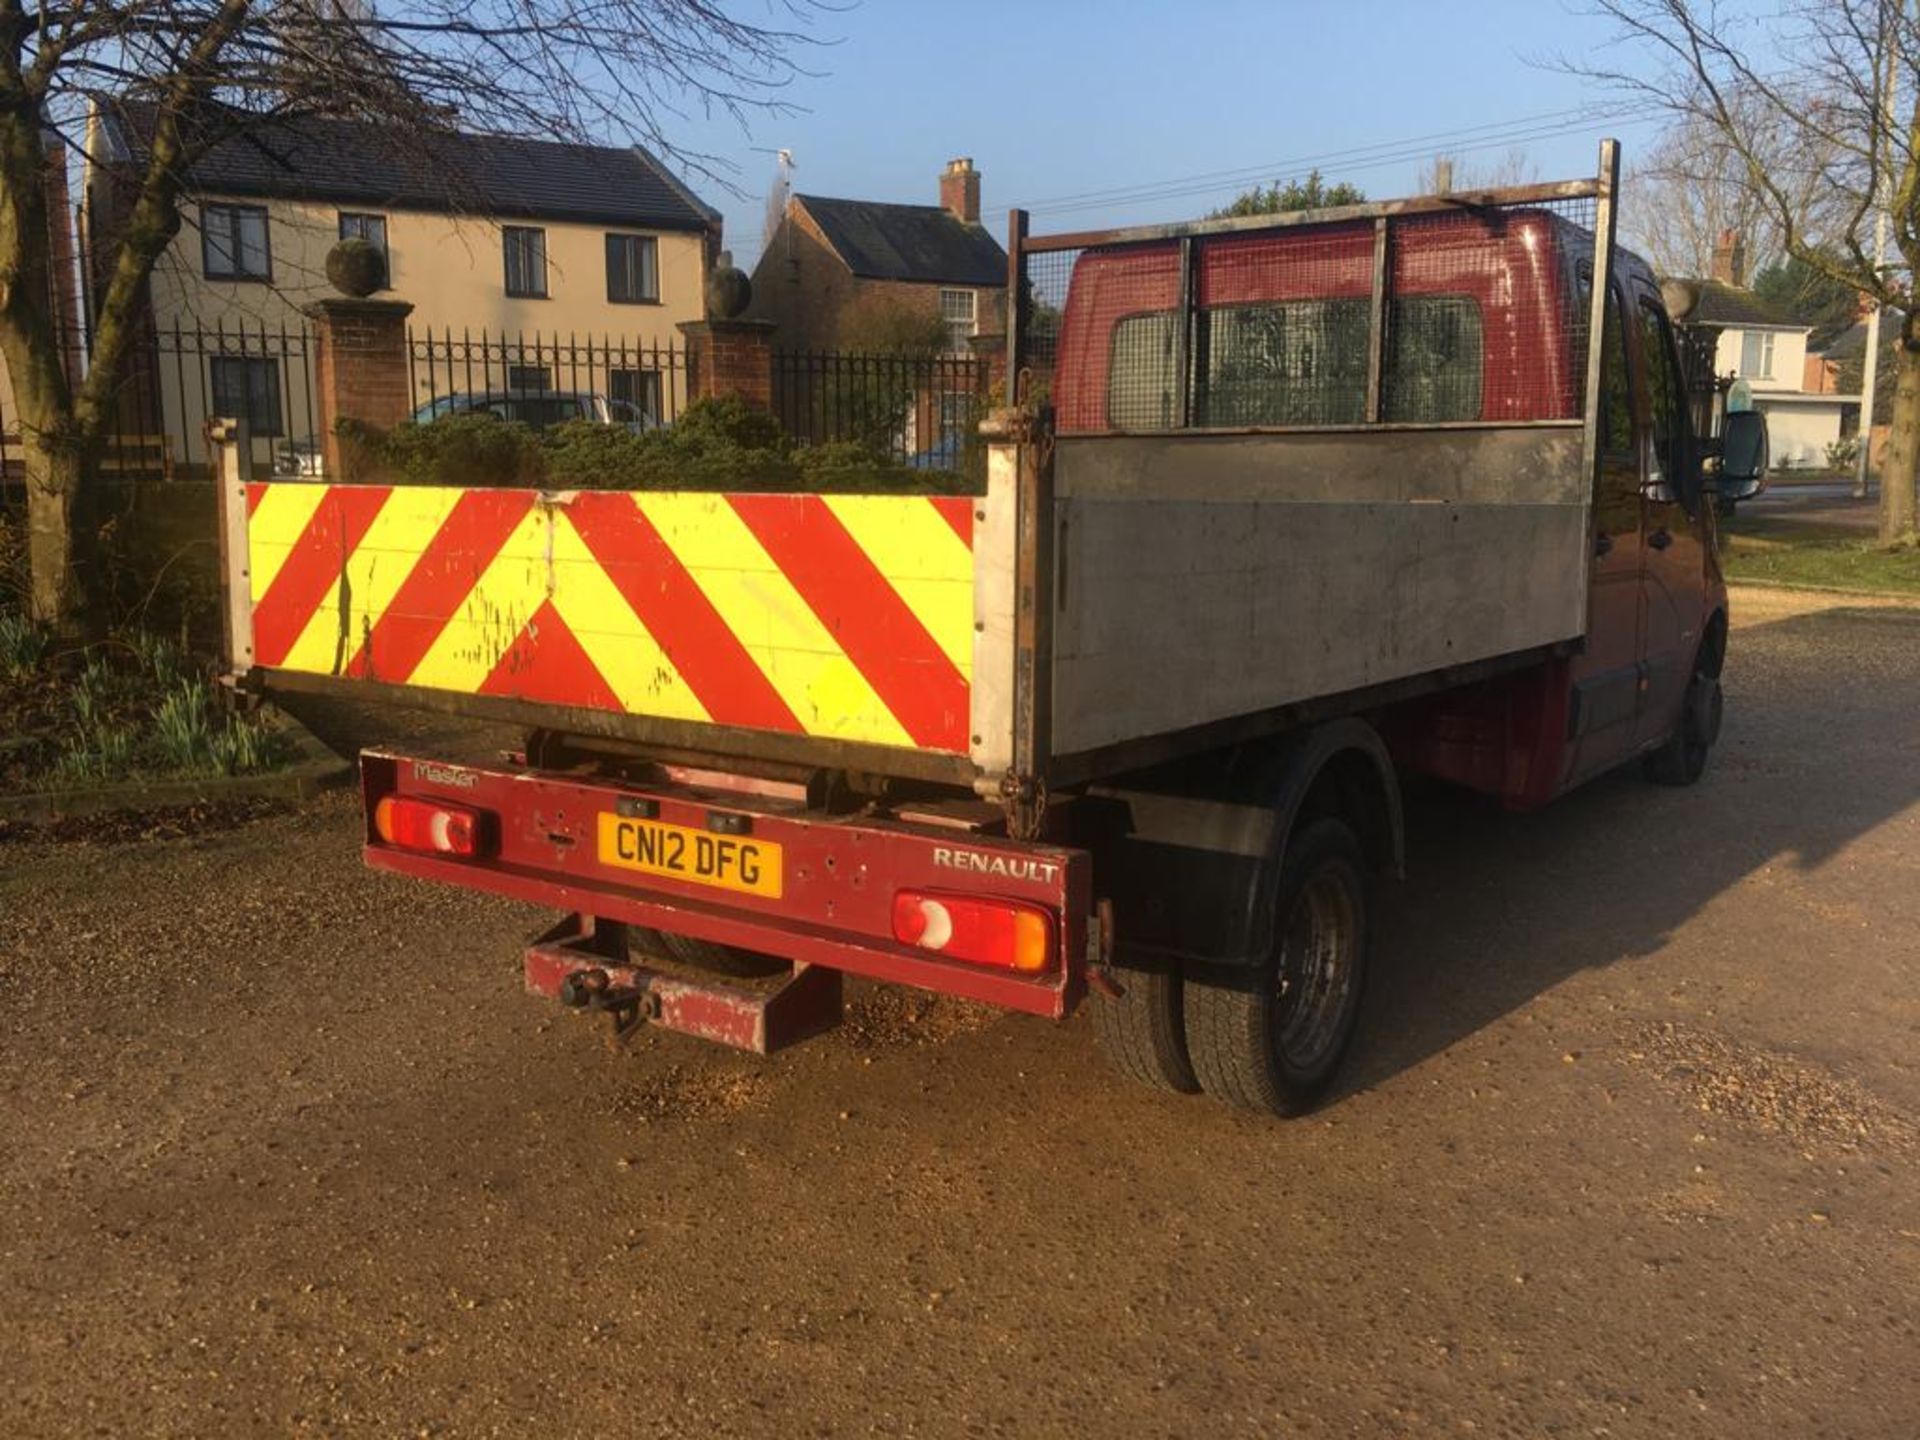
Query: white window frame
<point x="960" y="311"/>
<point x="1765" y="346"/>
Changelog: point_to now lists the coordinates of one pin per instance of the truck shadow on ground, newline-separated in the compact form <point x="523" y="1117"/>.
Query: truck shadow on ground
<point x="1499" y="908"/>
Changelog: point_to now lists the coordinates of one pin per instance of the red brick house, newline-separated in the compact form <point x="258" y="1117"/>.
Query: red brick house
<point x="832" y="263"/>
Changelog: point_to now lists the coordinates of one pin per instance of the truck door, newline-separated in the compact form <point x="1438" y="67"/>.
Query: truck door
<point x="1673" y="524"/>
<point x="1606" y="675"/>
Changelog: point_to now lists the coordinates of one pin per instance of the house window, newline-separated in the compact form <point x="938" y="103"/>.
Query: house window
<point x="355" y="225"/>
<point x="529" y="377"/>
<point x="526" y="256"/>
<point x="633" y="270"/>
<point x="233" y="242"/>
<point x="1756" y="354"/>
<point x="960" y="309"/>
<point x="638" y="388"/>
<point x="248" y="389"/>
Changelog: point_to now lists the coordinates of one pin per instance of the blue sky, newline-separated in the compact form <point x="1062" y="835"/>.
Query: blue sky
<point x="1055" y="99"/>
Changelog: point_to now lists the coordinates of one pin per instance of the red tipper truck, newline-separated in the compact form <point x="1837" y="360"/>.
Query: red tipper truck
<point x="1285" y="507"/>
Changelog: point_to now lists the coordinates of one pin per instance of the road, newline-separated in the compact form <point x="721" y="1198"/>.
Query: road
<point x="1627" y="1148"/>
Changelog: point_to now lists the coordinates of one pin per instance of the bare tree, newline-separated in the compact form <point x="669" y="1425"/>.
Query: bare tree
<point x="1817" y="104"/>
<point x="1687" y="191"/>
<point x="206" y="71"/>
<point x="1516" y="167"/>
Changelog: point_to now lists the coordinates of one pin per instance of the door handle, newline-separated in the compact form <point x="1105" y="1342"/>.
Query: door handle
<point x="1602" y="543"/>
<point x="1661" y="538"/>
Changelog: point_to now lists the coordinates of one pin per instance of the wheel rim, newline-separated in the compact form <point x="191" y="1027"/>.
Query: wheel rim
<point x="1317" y="953"/>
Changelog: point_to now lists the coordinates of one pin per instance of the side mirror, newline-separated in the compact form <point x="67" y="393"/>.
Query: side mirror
<point x="1743" y="455"/>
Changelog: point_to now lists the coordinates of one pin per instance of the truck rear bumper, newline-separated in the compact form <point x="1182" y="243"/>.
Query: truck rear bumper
<point x="837" y="879"/>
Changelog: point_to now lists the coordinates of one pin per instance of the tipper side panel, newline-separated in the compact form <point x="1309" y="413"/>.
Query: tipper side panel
<point x="1238" y="575"/>
<point x="833" y="617"/>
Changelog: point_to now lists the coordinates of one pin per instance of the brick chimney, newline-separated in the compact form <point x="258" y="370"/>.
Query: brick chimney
<point x="1730" y="259"/>
<point x="960" y="190"/>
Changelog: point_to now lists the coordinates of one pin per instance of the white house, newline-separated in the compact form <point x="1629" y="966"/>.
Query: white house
<point x="1768" y="350"/>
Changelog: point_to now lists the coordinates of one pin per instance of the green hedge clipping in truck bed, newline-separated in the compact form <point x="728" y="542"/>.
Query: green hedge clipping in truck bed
<point x="722" y="444"/>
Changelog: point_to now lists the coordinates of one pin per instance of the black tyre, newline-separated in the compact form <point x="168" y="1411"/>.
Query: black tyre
<point x="1142" y="1031"/>
<point x="1683" y="759"/>
<point x="1269" y="1037"/>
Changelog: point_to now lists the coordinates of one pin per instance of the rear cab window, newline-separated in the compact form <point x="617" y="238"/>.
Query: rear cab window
<point x="1281" y="327"/>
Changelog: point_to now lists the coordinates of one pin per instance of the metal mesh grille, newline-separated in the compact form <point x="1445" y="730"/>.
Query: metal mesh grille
<point x="1043" y="300"/>
<point x="1482" y="318"/>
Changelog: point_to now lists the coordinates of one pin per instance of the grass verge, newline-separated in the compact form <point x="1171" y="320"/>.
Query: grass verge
<point x="1830" y="557"/>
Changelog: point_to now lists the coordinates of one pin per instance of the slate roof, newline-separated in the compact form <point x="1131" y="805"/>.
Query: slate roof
<point x="360" y="163"/>
<point x="922" y="243"/>
<point x="1729" y="305"/>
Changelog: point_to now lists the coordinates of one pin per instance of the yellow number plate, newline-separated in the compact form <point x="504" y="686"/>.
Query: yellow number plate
<point x="727" y="862"/>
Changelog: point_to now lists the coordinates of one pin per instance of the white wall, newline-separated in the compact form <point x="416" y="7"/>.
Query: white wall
<point x="1798" y="434"/>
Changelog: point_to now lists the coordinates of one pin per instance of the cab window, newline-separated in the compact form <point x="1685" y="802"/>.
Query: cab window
<point x="1616" y="393"/>
<point x="1666" y="399"/>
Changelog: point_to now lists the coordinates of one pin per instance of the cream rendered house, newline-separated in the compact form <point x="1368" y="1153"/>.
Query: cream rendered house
<point x="514" y="255"/>
<point x="1769" y="352"/>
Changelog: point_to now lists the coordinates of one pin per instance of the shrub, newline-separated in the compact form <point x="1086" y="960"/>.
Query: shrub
<point x="472" y="450"/>
<point x="23" y="644"/>
<point x="716" y="444"/>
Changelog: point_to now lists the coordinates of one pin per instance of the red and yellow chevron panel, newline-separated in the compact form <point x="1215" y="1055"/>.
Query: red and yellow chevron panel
<point x="847" y="617"/>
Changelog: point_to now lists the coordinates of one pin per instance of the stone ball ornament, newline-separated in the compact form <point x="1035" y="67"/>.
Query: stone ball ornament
<point x="729" y="291"/>
<point x="357" y="267"/>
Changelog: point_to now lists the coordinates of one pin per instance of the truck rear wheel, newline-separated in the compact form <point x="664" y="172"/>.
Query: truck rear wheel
<point x="1269" y="1037"/>
<point x="1142" y="1032"/>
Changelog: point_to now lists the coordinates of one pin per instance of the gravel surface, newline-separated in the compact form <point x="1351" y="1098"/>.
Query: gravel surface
<point x="1626" y="1148"/>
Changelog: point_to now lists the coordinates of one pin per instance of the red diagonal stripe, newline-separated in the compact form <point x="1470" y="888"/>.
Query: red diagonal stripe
<point x="882" y="637"/>
<point x="546" y="663"/>
<point x="957" y="511"/>
<point x="312" y="569"/>
<point x="677" y="613"/>
<point x="442" y="577"/>
<point x="256" y="492"/>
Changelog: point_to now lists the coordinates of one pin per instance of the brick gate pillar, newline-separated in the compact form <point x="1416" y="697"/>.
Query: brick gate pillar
<point x="360" y="369"/>
<point x="731" y="357"/>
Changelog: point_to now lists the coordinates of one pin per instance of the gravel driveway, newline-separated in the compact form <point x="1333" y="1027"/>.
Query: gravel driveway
<point x="1627" y="1147"/>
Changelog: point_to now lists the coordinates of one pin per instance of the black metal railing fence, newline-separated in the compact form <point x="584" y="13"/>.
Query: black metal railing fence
<point x="546" y="378"/>
<point x="919" y="409"/>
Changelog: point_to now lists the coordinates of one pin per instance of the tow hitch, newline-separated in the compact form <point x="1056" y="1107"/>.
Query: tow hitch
<point x="582" y="962"/>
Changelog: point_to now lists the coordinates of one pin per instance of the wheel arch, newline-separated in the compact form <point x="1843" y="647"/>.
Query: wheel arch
<point x="1192" y="868"/>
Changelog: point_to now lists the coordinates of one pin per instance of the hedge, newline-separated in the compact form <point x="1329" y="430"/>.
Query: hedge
<point x="716" y="444"/>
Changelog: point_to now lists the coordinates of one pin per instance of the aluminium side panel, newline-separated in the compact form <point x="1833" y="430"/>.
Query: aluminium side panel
<point x="1207" y="577"/>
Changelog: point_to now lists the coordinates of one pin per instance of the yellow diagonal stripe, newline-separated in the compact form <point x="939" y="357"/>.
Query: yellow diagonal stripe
<point x="494" y="613"/>
<point x="407" y="521"/>
<point x="277" y="522"/>
<point x="620" y="646"/>
<point x="798" y="655"/>
<point x="928" y="565"/>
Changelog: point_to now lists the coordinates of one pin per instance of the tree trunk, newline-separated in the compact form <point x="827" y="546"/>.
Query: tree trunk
<point x="53" y="480"/>
<point x="1898" y="475"/>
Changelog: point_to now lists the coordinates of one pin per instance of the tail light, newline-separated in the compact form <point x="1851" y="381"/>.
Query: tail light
<point x="964" y="927"/>
<point x="412" y="823"/>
